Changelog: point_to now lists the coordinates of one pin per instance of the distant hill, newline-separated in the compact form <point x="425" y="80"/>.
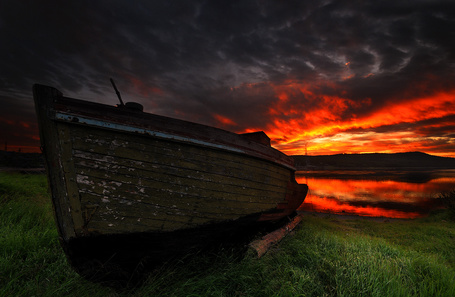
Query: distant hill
<point x="21" y="160"/>
<point x="376" y="160"/>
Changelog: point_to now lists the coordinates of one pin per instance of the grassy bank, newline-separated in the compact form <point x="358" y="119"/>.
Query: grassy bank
<point x="326" y="256"/>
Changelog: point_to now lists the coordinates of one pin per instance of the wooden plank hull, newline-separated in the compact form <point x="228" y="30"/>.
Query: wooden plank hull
<point x="119" y="175"/>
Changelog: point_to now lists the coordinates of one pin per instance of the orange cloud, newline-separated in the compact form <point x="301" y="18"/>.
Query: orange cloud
<point x="225" y="121"/>
<point x="329" y="124"/>
<point x="413" y="110"/>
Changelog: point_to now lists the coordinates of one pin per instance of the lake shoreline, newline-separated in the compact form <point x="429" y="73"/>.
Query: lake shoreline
<point x="349" y="216"/>
<point x="412" y="175"/>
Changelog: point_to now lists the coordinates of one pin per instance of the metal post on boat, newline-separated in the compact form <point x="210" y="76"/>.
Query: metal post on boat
<point x="117" y="92"/>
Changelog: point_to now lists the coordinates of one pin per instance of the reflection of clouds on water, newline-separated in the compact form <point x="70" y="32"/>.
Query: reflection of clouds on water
<point x="330" y="205"/>
<point x="376" y="197"/>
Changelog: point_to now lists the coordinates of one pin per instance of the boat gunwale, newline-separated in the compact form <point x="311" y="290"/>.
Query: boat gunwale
<point x="76" y="111"/>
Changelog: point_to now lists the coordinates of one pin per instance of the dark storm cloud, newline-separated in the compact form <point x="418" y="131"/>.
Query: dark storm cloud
<point x="198" y="59"/>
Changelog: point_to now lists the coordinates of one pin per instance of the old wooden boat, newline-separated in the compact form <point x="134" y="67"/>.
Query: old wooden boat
<point x="129" y="187"/>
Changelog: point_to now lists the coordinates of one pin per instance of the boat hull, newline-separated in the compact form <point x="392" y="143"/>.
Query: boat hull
<point x="119" y="175"/>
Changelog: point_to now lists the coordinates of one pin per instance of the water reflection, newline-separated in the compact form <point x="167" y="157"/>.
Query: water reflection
<point x="373" y="194"/>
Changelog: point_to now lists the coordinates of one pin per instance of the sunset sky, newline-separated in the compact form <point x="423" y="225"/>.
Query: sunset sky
<point x="326" y="76"/>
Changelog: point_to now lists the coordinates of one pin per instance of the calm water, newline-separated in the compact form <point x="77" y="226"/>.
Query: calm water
<point x="383" y="194"/>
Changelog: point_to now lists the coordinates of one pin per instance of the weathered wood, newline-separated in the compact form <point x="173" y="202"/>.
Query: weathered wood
<point x="175" y="175"/>
<point x="52" y="151"/>
<point x="192" y="181"/>
<point x="212" y="189"/>
<point x="164" y="152"/>
<point x="168" y="198"/>
<point x="164" y="124"/>
<point x="259" y="137"/>
<point x="114" y="210"/>
<point x="261" y="246"/>
<point x="69" y="172"/>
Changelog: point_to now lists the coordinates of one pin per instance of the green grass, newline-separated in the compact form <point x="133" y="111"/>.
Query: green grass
<point x="32" y="262"/>
<point x="325" y="256"/>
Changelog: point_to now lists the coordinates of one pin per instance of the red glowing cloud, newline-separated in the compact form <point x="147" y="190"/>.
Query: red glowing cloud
<point x="328" y="123"/>
<point x="224" y="121"/>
